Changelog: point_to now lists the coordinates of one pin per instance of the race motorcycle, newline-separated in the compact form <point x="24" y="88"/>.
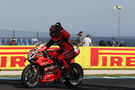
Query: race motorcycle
<point x="43" y="68"/>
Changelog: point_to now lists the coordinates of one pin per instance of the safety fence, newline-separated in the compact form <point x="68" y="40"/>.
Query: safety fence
<point x="26" y="37"/>
<point x="13" y="57"/>
<point x="22" y="37"/>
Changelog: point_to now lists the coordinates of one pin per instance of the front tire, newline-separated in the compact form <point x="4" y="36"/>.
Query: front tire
<point x="75" y="79"/>
<point x="30" y="76"/>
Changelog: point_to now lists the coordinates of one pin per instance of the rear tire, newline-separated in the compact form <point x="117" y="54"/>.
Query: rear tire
<point x="30" y="76"/>
<point x="76" y="79"/>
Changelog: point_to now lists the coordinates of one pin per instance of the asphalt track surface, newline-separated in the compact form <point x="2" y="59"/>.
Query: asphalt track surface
<point x="87" y="84"/>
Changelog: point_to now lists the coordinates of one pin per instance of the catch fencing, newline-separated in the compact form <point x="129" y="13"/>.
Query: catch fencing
<point x="22" y="37"/>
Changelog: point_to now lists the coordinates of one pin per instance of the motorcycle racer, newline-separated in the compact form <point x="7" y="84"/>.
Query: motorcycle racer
<point x="60" y="37"/>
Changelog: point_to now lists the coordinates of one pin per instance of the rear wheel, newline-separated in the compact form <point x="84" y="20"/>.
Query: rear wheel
<point x="30" y="76"/>
<point x="75" y="80"/>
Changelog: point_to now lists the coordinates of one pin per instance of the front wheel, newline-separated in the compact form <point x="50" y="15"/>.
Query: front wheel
<point x="76" y="78"/>
<point x="30" y="76"/>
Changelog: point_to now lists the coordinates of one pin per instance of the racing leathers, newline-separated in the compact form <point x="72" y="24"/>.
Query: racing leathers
<point x="66" y="48"/>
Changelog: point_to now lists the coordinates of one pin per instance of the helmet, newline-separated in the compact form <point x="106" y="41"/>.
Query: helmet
<point x="54" y="31"/>
<point x="59" y="25"/>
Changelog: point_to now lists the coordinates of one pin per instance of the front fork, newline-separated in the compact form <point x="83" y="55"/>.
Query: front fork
<point x="37" y="71"/>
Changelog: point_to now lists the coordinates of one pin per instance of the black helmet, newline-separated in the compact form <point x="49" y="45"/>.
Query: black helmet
<point x="58" y="24"/>
<point x="54" y="31"/>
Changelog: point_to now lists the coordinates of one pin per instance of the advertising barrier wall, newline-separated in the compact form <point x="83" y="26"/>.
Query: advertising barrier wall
<point x="107" y="57"/>
<point x="13" y="57"/>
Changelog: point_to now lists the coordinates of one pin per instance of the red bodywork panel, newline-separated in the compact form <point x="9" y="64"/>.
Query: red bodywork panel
<point x="55" y="74"/>
<point x="52" y="76"/>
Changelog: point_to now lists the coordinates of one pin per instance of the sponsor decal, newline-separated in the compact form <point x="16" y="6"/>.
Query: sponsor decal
<point x="14" y="61"/>
<point x="112" y="57"/>
<point x="13" y="57"/>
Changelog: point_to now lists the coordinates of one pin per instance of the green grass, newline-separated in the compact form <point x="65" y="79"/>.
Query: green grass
<point x="112" y="75"/>
<point x="10" y="76"/>
<point x="101" y="75"/>
<point x="11" y="69"/>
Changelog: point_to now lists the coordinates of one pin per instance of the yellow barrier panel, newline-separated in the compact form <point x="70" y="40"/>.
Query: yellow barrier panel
<point x="13" y="57"/>
<point x="107" y="57"/>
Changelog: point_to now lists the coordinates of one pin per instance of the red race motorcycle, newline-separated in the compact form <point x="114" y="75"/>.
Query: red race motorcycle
<point x="44" y="69"/>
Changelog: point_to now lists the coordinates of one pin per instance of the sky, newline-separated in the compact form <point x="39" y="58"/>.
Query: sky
<point x="94" y="17"/>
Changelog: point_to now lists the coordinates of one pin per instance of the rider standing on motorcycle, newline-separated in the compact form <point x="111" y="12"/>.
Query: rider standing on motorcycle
<point x="61" y="37"/>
